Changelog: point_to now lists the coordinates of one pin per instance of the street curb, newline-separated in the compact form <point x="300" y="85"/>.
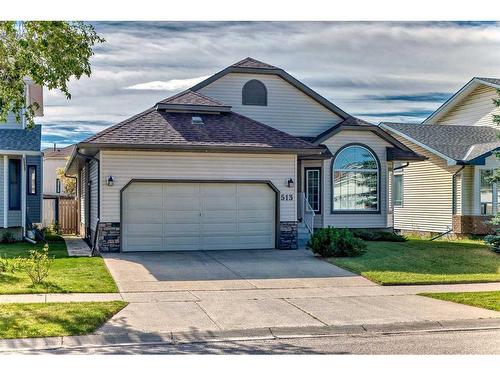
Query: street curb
<point x="172" y="338"/>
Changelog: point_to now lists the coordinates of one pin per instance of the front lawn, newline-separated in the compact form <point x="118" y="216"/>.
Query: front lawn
<point x="486" y="300"/>
<point x="425" y="262"/>
<point x="20" y="320"/>
<point x="67" y="275"/>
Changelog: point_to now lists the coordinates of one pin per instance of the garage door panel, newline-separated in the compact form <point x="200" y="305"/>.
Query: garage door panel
<point x="181" y="229"/>
<point x="255" y="215"/>
<point x="189" y="217"/>
<point x="182" y="203"/>
<point x="228" y="216"/>
<point x="182" y="243"/>
<point x="198" y="216"/>
<point x="143" y="217"/>
<point x="144" y="229"/>
<point x="210" y="229"/>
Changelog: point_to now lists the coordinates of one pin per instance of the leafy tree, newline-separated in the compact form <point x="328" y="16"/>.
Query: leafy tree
<point x="48" y="53"/>
<point x="69" y="183"/>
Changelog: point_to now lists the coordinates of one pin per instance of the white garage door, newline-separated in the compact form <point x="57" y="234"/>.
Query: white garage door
<point x="198" y="216"/>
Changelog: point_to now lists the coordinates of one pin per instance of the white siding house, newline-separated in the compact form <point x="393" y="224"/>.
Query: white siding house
<point x="240" y="160"/>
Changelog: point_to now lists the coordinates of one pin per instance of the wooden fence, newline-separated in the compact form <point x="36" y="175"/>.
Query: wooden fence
<point x="63" y="211"/>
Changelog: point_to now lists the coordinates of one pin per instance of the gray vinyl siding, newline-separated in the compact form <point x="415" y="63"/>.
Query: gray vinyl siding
<point x="14" y="218"/>
<point x="288" y="109"/>
<point x="93" y="169"/>
<point x="476" y="109"/>
<point x="358" y="220"/>
<point x="34" y="202"/>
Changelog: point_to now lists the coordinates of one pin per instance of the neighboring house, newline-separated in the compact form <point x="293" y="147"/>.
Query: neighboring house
<point x="230" y="164"/>
<point x="21" y="170"/>
<point x="53" y="159"/>
<point x="450" y="191"/>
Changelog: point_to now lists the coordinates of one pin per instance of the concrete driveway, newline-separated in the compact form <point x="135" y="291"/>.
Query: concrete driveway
<point x="234" y="290"/>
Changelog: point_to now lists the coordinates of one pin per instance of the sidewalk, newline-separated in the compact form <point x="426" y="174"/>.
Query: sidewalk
<point x="264" y="293"/>
<point x="77" y="247"/>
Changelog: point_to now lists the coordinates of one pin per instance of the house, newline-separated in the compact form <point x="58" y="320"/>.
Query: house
<point x="21" y="170"/>
<point x="245" y="159"/>
<point x="450" y="191"/>
<point x="53" y="159"/>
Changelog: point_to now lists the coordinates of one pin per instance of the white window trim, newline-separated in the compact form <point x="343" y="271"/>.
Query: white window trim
<point x="333" y="170"/>
<point x="477" y="191"/>
<point x="318" y="171"/>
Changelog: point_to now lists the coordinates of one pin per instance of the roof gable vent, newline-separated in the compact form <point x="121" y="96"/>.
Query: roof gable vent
<point x="196" y="120"/>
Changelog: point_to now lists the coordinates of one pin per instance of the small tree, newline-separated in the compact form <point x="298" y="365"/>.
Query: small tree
<point x="48" y="53"/>
<point x="69" y="183"/>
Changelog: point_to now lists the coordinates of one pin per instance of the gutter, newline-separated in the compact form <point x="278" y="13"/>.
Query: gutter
<point x="400" y="167"/>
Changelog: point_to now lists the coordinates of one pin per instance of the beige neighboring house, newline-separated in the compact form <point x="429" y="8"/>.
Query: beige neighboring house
<point x="250" y="158"/>
<point x="450" y="191"/>
<point x="54" y="158"/>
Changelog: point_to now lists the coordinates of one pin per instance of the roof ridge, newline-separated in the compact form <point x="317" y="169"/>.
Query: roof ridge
<point x="117" y="126"/>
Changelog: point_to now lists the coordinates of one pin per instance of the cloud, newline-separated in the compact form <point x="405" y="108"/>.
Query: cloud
<point x="393" y="71"/>
<point x="171" y="85"/>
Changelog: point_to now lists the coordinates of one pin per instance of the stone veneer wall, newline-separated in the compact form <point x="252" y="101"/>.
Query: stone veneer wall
<point x="288" y="235"/>
<point x="108" y="240"/>
<point x="109" y="236"/>
<point x="471" y="224"/>
<point x="17" y="232"/>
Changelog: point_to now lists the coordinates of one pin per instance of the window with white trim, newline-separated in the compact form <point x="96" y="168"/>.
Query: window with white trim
<point x="355" y="180"/>
<point x="313" y="188"/>
<point x="58" y="186"/>
<point x="489" y="193"/>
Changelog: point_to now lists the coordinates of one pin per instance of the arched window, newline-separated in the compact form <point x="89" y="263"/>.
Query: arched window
<point x="254" y="93"/>
<point x="355" y="180"/>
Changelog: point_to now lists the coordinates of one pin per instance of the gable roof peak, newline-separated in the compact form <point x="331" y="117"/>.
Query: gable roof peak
<point x="250" y="62"/>
<point x="189" y="97"/>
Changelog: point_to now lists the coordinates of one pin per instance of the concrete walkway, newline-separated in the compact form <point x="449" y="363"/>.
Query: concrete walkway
<point x="77" y="247"/>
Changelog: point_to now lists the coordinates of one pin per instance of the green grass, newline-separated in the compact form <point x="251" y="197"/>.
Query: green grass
<point x="486" y="300"/>
<point x="425" y="262"/>
<point x="67" y="275"/>
<point x="20" y="320"/>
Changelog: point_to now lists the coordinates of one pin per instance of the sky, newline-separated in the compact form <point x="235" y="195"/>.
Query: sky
<point x="378" y="71"/>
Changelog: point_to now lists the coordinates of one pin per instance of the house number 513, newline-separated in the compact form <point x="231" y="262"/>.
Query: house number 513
<point x="287" y="197"/>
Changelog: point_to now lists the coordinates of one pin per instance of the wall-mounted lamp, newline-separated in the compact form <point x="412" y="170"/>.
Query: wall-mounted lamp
<point x="111" y="181"/>
<point x="290" y="183"/>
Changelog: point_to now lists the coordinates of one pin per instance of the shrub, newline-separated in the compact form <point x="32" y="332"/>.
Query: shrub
<point x="38" y="264"/>
<point x="378" y="235"/>
<point x="333" y="242"/>
<point x="493" y="241"/>
<point x="8" y="237"/>
<point x="11" y="265"/>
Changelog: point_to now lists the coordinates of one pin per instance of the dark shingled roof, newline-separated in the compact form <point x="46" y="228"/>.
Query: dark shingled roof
<point x="156" y="128"/>
<point x="252" y="63"/>
<point x="58" y="152"/>
<point x="21" y="139"/>
<point x="189" y="97"/>
<point x="458" y="142"/>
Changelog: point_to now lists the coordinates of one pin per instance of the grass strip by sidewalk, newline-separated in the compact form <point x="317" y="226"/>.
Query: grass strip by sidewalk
<point x="425" y="262"/>
<point x="486" y="300"/>
<point x="67" y="275"/>
<point x="22" y="320"/>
